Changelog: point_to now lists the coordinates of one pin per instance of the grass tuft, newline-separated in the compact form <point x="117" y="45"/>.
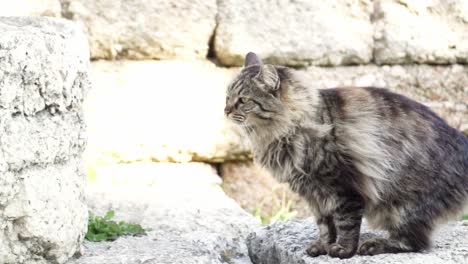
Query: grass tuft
<point x="282" y="210"/>
<point x="103" y="228"/>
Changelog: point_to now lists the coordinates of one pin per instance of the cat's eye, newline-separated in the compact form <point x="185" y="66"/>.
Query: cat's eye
<point x="244" y="100"/>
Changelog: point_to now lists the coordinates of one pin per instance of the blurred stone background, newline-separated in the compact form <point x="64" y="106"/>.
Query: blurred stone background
<point x="160" y="69"/>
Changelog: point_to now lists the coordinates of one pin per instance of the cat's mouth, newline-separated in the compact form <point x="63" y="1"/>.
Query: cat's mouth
<point x="237" y="118"/>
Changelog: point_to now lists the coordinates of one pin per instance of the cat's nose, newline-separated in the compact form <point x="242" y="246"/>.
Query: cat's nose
<point x="227" y="110"/>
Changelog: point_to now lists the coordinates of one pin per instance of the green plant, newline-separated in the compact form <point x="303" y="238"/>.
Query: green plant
<point x="282" y="210"/>
<point x="105" y="229"/>
<point x="465" y="217"/>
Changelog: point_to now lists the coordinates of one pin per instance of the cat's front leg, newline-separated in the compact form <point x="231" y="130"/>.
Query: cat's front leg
<point x="347" y="218"/>
<point x="327" y="236"/>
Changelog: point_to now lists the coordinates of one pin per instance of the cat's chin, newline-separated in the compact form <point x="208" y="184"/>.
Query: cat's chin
<point x="243" y="124"/>
<point x="239" y="123"/>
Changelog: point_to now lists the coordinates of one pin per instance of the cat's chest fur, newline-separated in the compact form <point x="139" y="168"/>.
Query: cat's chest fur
<point x="309" y="164"/>
<point x="284" y="157"/>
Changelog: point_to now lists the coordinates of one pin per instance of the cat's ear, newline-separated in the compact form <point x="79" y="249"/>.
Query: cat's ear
<point x="252" y="59"/>
<point x="269" y="76"/>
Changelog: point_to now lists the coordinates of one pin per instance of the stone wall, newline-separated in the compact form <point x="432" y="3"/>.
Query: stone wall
<point x="303" y="33"/>
<point x="387" y="43"/>
<point x="155" y="29"/>
<point x="160" y="68"/>
<point x="44" y="75"/>
<point x="326" y="33"/>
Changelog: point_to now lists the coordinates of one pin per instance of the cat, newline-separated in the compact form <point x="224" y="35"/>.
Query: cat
<point x="352" y="153"/>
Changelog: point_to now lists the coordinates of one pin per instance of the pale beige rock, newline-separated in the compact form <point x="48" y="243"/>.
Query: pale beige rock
<point x="295" y="32"/>
<point x="44" y="76"/>
<point x="257" y="191"/>
<point x="153" y="29"/>
<point x="434" y="31"/>
<point x="30" y="8"/>
<point x="161" y="110"/>
<point x="45" y="221"/>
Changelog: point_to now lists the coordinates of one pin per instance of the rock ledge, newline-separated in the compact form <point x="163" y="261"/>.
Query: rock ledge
<point x="285" y="242"/>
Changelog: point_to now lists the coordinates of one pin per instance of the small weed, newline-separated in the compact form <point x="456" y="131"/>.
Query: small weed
<point x="282" y="211"/>
<point x="105" y="229"/>
<point x="465" y="217"/>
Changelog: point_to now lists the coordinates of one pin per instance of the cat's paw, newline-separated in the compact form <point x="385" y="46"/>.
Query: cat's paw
<point x="373" y="246"/>
<point x="316" y="248"/>
<point x="338" y="251"/>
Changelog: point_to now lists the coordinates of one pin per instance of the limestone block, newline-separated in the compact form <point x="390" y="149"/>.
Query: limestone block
<point x="433" y="32"/>
<point x="41" y="139"/>
<point x="43" y="62"/>
<point x="44" y="76"/>
<point x="45" y="220"/>
<point x="161" y="110"/>
<point x="30" y="8"/>
<point x="154" y="29"/>
<point x="295" y="32"/>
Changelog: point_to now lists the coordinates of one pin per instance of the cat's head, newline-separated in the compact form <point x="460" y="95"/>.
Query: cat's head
<point x="254" y="97"/>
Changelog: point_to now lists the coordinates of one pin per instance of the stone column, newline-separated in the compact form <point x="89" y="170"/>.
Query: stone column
<point x="44" y="75"/>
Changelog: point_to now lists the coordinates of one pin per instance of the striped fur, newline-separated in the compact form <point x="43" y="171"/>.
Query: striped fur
<point x="353" y="153"/>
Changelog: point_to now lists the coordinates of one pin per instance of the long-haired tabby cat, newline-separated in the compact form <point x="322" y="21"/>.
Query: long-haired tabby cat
<point x="353" y="152"/>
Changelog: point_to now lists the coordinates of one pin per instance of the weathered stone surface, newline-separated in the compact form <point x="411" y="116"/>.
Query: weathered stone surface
<point x="44" y="218"/>
<point x="157" y="29"/>
<point x="421" y="31"/>
<point x="30" y="8"/>
<point x="43" y="139"/>
<point x="443" y="88"/>
<point x="295" y="32"/>
<point x="44" y="68"/>
<point x="164" y="111"/>
<point x="43" y="62"/>
<point x="253" y="189"/>
<point x="192" y="220"/>
<point x="285" y="243"/>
